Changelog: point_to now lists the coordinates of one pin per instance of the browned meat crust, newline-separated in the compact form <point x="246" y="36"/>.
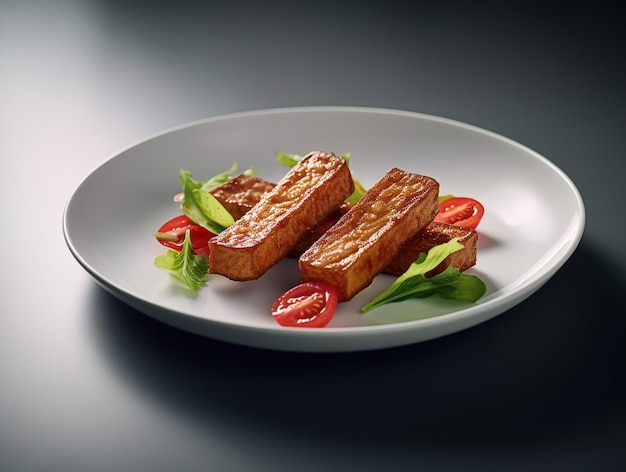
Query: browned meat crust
<point x="361" y="244"/>
<point x="314" y="234"/>
<point x="264" y="235"/>
<point x="241" y="193"/>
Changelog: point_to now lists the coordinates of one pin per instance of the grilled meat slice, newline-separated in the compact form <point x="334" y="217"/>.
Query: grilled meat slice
<point x="268" y="232"/>
<point x="241" y="193"/>
<point x="361" y="244"/>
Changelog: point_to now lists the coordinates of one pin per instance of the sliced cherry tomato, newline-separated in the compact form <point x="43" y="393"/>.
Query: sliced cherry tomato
<point x="309" y="305"/>
<point x="460" y="211"/>
<point x="172" y="235"/>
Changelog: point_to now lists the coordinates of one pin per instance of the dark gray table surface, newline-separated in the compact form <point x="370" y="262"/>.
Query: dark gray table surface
<point x="88" y="384"/>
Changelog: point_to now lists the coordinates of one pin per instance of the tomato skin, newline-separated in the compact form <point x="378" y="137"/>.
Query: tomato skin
<point x="177" y="227"/>
<point x="308" y="305"/>
<point x="460" y="211"/>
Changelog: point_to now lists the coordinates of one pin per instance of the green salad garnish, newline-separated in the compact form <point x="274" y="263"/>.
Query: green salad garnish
<point x="201" y="206"/>
<point x="204" y="209"/>
<point x="449" y="284"/>
<point x="186" y="266"/>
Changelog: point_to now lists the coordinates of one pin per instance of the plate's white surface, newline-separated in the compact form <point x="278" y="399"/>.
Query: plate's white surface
<point x="534" y="221"/>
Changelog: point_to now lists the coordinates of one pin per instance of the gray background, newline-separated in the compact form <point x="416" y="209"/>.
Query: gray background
<point x="87" y="383"/>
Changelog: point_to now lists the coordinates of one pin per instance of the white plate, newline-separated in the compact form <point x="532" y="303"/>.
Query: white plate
<point x="534" y="221"/>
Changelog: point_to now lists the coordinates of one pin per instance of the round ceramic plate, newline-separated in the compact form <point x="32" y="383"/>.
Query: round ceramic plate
<point x="533" y="222"/>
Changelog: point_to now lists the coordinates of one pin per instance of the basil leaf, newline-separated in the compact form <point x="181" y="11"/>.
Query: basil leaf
<point x="468" y="288"/>
<point x="449" y="284"/>
<point x="189" y="268"/>
<point x="223" y="177"/>
<point x="219" y="179"/>
<point x="287" y="159"/>
<point x="201" y="206"/>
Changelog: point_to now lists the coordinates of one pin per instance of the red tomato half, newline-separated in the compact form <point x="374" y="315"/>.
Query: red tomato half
<point x="309" y="305"/>
<point x="460" y="211"/>
<point x="175" y="230"/>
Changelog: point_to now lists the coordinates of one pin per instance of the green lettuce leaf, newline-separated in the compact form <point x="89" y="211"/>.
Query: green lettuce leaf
<point x="449" y="284"/>
<point x="201" y="206"/>
<point x="186" y="266"/>
<point x="224" y="177"/>
<point x="287" y="159"/>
